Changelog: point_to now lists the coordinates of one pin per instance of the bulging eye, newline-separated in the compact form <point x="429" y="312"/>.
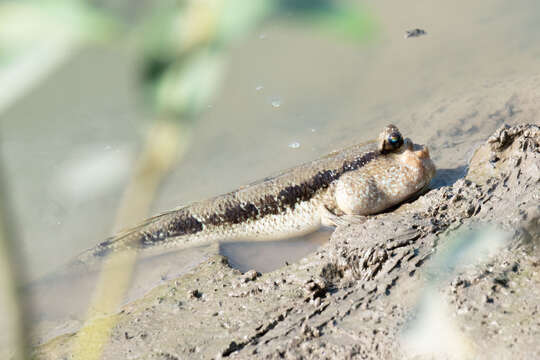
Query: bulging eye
<point x="390" y="140"/>
<point x="395" y="140"/>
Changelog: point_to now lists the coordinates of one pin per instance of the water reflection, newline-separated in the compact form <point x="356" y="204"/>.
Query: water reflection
<point x="271" y="255"/>
<point x="447" y="177"/>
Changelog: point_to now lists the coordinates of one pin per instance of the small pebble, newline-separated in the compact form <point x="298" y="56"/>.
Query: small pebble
<point x="251" y="275"/>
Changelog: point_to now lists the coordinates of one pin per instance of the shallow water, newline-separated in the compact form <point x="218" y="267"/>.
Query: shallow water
<point x="271" y="255"/>
<point x="332" y="92"/>
<point x="443" y="89"/>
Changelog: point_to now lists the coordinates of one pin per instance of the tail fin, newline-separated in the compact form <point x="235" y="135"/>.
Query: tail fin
<point x="135" y="237"/>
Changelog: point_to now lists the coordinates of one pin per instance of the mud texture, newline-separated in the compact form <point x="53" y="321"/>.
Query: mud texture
<point x="364" y="293"/>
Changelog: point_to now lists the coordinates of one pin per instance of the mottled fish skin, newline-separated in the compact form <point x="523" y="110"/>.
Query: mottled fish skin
<point x="359" y="180"/>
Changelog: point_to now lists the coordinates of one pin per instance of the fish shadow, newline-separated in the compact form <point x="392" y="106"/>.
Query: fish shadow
<point x="266" y="256"/>
<point x="447" y="177"/>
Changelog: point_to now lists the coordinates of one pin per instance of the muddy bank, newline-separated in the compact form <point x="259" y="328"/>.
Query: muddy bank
<point x="381" y="289"/>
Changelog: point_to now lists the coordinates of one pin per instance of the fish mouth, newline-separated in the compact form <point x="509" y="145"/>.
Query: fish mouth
<point x="423" y="152"/>
<point x="417" y="155"/>
<point x="429" y="166"/>
<point x="422" y="156"/>
<point x="419" y="150"/>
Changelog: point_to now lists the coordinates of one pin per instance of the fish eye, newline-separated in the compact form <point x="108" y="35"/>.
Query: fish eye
<point x="390" y="140"/>
<point x="395" y="140"/>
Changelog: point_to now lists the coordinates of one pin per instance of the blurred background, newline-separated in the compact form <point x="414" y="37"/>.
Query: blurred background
<point x="113" y="110"/>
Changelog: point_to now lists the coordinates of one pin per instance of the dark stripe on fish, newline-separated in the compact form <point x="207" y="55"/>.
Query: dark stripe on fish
<point x="236" y="212"/>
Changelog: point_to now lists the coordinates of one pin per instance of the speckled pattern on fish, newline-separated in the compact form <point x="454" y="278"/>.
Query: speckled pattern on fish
<point x="359" y="180"/>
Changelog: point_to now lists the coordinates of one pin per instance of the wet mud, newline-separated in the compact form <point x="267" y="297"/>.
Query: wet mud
<point x="460" y="264"/>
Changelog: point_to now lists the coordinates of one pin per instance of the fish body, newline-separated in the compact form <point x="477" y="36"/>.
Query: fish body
<point x="359" y="180"/>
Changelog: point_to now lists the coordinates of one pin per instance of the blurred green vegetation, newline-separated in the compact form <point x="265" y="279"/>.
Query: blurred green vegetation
<point x="11" y="279"/>
<point x="26" y="24"/>
<point x="182" y="49"/>
<point x="182" y="44"/>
